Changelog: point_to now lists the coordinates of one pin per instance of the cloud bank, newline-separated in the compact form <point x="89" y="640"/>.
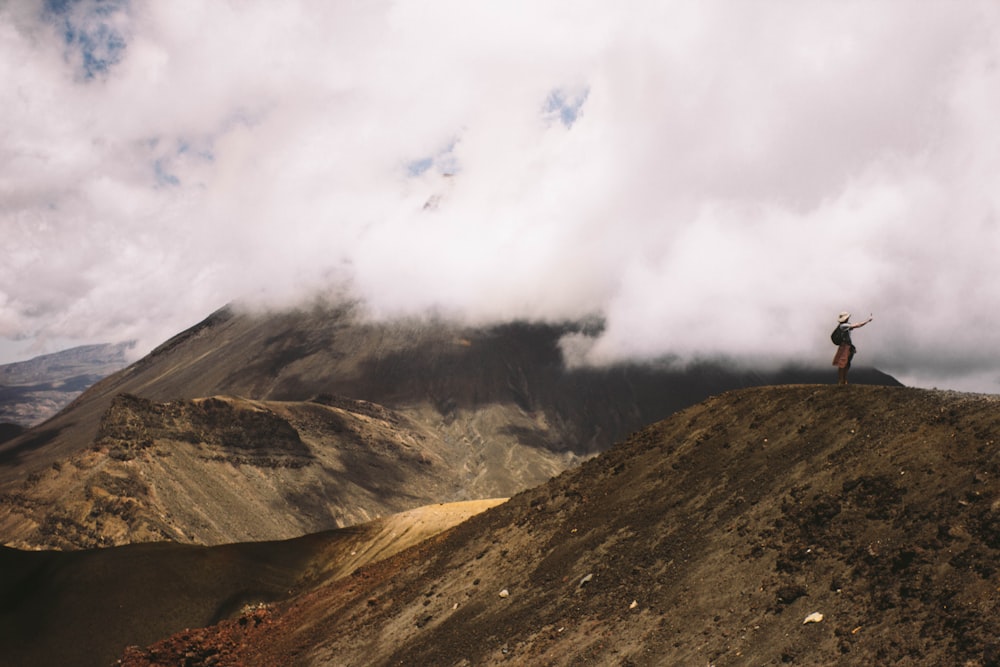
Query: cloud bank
<point x="711" y="178"/>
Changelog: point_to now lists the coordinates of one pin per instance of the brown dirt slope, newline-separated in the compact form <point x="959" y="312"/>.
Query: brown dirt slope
<point x="707" y="539"/>
<point x="84" y="608"/>
<point x="222" y="470"/>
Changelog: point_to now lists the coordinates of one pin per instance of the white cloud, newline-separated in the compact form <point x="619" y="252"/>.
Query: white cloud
<point x="699" y="173"/>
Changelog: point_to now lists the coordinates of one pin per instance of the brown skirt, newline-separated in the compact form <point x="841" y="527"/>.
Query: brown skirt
<point x="843" y="357"/>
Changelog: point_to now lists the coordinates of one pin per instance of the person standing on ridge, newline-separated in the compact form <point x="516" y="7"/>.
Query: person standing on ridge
<point x="845" y="349"/>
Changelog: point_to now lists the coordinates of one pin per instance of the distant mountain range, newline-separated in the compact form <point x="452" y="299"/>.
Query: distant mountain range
<point x="34" y="390"/>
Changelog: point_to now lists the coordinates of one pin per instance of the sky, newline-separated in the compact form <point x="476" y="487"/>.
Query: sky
<point x="710" y="178"/>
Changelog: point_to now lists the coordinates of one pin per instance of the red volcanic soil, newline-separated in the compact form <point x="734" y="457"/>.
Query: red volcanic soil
<point x="804" y="525"/>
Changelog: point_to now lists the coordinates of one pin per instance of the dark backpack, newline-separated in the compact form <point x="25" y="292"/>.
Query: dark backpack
<point x="837" y="336"/>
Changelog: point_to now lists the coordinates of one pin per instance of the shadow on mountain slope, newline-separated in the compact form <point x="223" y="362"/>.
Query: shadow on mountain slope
<point x="84" y="607"/>
<point x="10" y="431"/>
<point x="780" y="525"/>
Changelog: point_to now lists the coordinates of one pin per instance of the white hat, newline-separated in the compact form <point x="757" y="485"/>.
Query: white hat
<point x="843" y="317"/>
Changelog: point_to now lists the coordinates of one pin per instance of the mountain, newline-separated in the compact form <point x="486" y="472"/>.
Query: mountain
<point x="218" y="470"/>
<point x="806" y="524"/>
<point x="271" y="425"/>
<point x="34" y="390"/>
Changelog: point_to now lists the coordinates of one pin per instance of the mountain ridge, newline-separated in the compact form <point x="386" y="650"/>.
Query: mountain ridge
<point x="296" y="355"/>
<point x="711" y="537"/>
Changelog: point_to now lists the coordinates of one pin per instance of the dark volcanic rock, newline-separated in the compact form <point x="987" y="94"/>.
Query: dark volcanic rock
<point x="237" y="435"/>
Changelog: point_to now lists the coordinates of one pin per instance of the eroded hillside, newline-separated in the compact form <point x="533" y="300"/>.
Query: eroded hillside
<point x="222" y="470"/>
<point x="798" y="525"/>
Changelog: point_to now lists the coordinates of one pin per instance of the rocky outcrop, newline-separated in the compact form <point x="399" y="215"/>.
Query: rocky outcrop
<point x="224" y="469"/>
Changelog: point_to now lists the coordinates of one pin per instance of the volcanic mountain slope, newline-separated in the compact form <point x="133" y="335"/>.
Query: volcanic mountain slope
<point x="449" y="369"/>
<point x="788" y="525"/>
<point x="81" y="608"/>
<point x="177" y="445"/>
<point x="218" y="470"/>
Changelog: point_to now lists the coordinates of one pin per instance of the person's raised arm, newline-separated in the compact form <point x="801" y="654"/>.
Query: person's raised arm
<point x="861" y="324"/>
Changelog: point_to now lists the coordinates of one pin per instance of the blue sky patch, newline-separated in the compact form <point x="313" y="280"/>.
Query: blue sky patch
<point x="90" y="32"/>
<point x="163" y="175"/>
<point x="418" y="167"/>
<point x="444" y="162"/>
<point x="565" y="105"/>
